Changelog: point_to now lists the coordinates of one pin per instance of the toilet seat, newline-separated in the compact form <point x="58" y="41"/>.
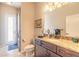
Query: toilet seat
<point x="29" y="50"/>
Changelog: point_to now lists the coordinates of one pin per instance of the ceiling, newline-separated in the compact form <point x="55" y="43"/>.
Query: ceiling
<point x="15" y="4"/>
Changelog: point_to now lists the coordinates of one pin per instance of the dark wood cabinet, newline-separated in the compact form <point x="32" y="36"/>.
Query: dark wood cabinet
<point x="46" y="49"/>
<point x="66" y="53"/>
<point x="48" y="46"/>
<point x="40" y="51"/>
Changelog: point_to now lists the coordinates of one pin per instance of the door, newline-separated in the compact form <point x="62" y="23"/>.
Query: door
<point x="12" y="32"/>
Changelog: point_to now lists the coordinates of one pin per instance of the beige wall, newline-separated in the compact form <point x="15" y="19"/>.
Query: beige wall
<point x="27" y="23"/>
<point x="39" y="13"/>
<point x="56" y="18"/>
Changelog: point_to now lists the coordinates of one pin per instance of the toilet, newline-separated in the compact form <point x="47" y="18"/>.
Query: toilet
<point x="29" y="50"/>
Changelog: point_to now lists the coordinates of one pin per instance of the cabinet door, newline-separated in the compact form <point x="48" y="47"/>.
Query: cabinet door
<point x="51" y="54"/>
<point x="49" y="46"/>
<point x="40" y="51"/>
<point x="66" y="53"/>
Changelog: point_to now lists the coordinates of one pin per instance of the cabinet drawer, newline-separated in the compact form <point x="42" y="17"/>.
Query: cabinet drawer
<point x="66" y="53"/>
<point x="38" y="41"/>
<point x="51" y="54"/>
<point x="49" y="46"/>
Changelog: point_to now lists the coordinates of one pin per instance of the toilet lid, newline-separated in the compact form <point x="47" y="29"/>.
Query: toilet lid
<point x="29" y="46"/>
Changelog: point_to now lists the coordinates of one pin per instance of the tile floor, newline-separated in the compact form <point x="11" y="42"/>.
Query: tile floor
<point x="12" y="53"/>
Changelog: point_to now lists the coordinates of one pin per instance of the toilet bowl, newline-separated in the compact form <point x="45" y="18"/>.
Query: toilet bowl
<point x="29" y="50"/>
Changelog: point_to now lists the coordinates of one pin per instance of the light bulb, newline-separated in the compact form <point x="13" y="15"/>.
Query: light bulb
<point x="52" y="6"/>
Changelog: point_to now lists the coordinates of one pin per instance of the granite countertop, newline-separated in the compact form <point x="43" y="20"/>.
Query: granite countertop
<point x="68" y="44"/>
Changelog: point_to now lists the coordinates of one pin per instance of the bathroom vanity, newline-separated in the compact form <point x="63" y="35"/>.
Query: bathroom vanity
<point x="51" y="47"/>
